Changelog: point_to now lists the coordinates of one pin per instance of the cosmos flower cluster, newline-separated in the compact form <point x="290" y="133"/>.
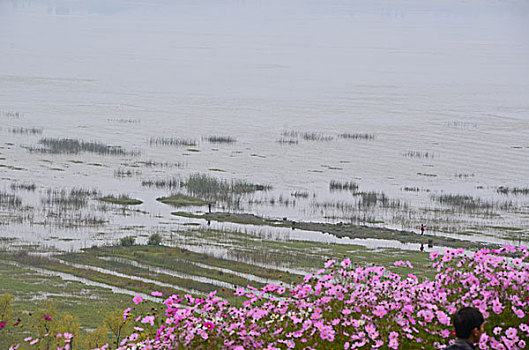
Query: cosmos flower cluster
<point x="347" y="306"/>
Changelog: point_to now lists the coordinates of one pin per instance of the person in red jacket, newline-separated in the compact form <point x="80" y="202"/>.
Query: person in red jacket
<point x="422" y="229"/>
<point x="468" y="323"/>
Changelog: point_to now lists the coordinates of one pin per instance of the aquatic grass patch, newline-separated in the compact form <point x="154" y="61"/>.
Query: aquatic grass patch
<point x="209" y="188"/>
<point x="26" y="131"/>
<point x="419" y="154"/>
<point x="335" y="185"/>
<point x="182" y="200"/>
<point x="172" y="141"/>
<point x="122" y="173"/>
<point x="293" y="135"/>
<point x="467" y="203"/>
<point x="156" y="164"/>
<point x="357" y="136"/>
<point x="75" y="146"/>
<point x="169" y="183"/>
<point x="122" y="199"/>
<point x="513" y="190"/>
<point x="10" y="201"/>
<point x="30" y="187"/>
<point x="75" y="198"/>
<point x="287" y="141"/>
<point x="212" y="187"/>
<point x="220" y="139"/>
<point x="300" y="194"/>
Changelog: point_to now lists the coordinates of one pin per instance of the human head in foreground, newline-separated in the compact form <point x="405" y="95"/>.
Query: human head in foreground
<point x="468" y="323"/>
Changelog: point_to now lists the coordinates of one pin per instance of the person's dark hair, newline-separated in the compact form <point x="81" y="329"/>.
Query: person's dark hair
<point x="465" y="320"/>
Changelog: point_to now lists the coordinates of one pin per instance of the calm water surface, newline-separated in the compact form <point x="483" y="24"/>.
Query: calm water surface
<point x="442" y="86"/>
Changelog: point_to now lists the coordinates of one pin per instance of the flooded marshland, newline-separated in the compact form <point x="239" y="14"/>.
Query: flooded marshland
<point x="331" y="112"/>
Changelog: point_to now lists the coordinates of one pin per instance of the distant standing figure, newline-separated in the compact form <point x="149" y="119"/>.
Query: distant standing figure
<point x="209" y="207"/>
<point x="422" y="247"/>
<point x="422" y="229"/>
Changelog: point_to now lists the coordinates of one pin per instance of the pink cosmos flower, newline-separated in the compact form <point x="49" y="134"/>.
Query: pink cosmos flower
<point x="148" y="319"/>
<point x="393" y="344"/>
<point x="156" y="294"/>
<point x="345" y="263"/>
<point x="209" y="325"/>
<point x="46" y="317"/>
<point x="137" y="299"/>
<point x="126" y="313"/>
<point x="511" y="332"/>
<point x="329" y="263"/>
<point x="518" y="312"/>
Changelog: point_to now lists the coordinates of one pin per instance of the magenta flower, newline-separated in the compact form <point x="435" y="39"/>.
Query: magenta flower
<point x="126" y="313"/>
<point x="137" y="299"/>
<point x="156" y="294"/>
<point x="2" y="325"/>
<point x="46" y="317"/>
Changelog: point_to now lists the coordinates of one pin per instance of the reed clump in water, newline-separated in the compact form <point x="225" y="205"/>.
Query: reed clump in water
<point x="26" y="131"/>
<point x="513" y="190"/>
<point x="211" y="187"/>
<point x="357" y="136"/>
<point x="74" y="146"/>
<point x="287" y="141"/>
<point x="10" y="201"/>
<point x="220" y="139"/>
<point x="121" y="173"/>
<point x="336" y="185"/>
<point x="419" y="155"/>
<point x="170" y="183"/>
<point x="76" y="198"/>
<point x="22" y="186"/>
<point x="466" y="203"/>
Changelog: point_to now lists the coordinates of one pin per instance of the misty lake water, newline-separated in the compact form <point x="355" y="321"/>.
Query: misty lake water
<point x="436" y="93"/>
